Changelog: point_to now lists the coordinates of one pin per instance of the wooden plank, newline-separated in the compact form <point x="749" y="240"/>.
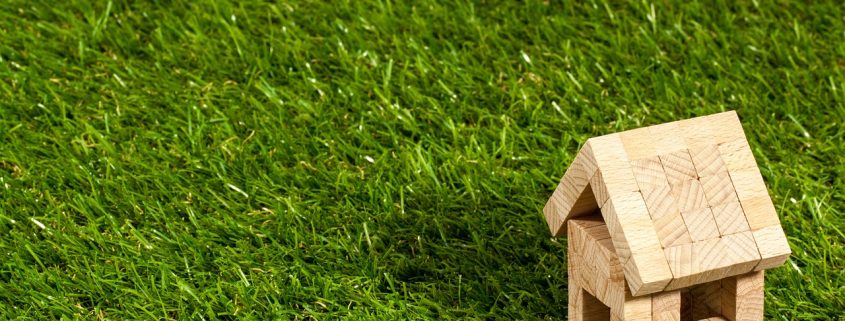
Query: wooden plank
<point x="610" y="156"/>
<point x="707" y="160"/>
<point x="730" y="218"/>
<point x="759" y="212"/>
<point x="718" y="189"/>
<point x="689" y="195"/>
<point x="726" y="127"/>
<point x="636" y="308"/>
<point x="576" y="294"/>
<point x="741" y="253"/>
<point x="631" y="229"/>
<point x="773" y="247"/>
<point x="748" y="183"/>
<point x="649" y="173"/>
<point x="678" y="166"/>
<point x="666" y="306"/>
<point x="701" y="224"/>
<point x="638" y="143"/>
<point x="598" y="188"/>
<point x="697" y="132"/>
<point x="666" y="216"/>
<point x="737" y="155"/>
<point x="573" y="196"/>
<point x="742" y="297"/>
<point x="668" y="138"/>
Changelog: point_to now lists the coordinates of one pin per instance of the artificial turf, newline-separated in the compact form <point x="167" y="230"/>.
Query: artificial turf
<point x="381" y="160"/>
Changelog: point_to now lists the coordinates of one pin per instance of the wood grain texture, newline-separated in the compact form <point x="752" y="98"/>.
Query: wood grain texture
<point x="728" y="127"/>
<point x="668" y="138"/>
<point x="666" y="306"/>
<point x="666" y="216"/>
<point x="707" y="160"/>
<point x="718" y="189"/>
<point x="697" y="132"/>
<point x="773" y="247"/>
<point x="701" y="224"/>
<point x="742" y="297"/>
<point x="573" y="196"/>
<point x="649" y="172"/>
<point x="636" y="308"/>
<point x="737" y="155"/>
<point x="631" y="229"/>
<point x="610" y="156"/>
<point x="748" y="183"/>
<point x="678" y="166"/>
<point x="638" y="143"/>
<point x="730" y="218"/>
<point x="689" y="195"/>
<point x="760" y="212"/>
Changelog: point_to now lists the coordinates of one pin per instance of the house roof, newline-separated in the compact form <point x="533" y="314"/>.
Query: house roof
<point x="684" y="202"/>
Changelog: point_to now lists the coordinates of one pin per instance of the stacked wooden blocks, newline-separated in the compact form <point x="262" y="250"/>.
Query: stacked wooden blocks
<point x="682" y="206"/>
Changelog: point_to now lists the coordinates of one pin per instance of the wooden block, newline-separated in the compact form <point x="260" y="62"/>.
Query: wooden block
<point x="666" y="306"/>
<point x="773" y="246"/>
<point x="726" y="127"/>
<point x="759" y="212"/>
<point x="697" y="132"/>
<point x="748" y="183"/>
<point x="647" y="272"/>
<point x="741" y="253"/>
<point x="575" y="312"/>
<point x="678" y="166"/>
<point x="689" y="195"/>
<point x="707" y="300"/>
<point x="742" y="297"/>
<point x="701" y="224"/>
<point x="615" y="296"/>
<point x="629" y="224"/>
<point x="730" y="218"/>
<point x="636" y="308"/>
<point x="718" y="189"/>
<point x="610" y="156"/>
<point x="638" y="143"/>
<point x="573" y="196"/>
<point x="694" y="263"/>
<point x="714" y="319"/>
<point x="707" y="160"/>
<point x="737" y="155"/>
<point x="593" y="309"/>
<point x="668" y="138"/>
<point x="666" y="217"/>
<point x="649" y="172"/>
<point x="599" y="188"/>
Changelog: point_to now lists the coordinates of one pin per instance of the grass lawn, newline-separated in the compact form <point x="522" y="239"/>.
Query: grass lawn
<point x="218" y="160"/>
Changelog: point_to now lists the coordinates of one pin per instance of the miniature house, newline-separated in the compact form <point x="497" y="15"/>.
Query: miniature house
<point x="668" y="222"/>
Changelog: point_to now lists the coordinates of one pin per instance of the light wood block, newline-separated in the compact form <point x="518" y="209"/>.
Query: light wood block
<point x="576" y="295"/>
<point x="730" y="218"/>
<point x="666" y="306"/>
<point x="629" y="222"/>
<point x="668" y="138"/>
<point x="701" y="224"/>
<point x="773" y="246"/>
<point x="667" y="219"/>
<point x="714" y="319"/>
<point x="636" y="308"/>
<point x="737" y="155"/>
<point x="573" y="196"/>
<point x="638" y="143"/>
<point x="759" y="212"/>
<point x="697" y="132"/>
<point x="710" y="260"/>
<point x="741" y="253"/>
<point x="707" y="160"/>
<point x="599" y="188"/>
<point x="728" y="125"/>
<point x="748" y="183"/>
<point x="742" y="297"/>
<point x="718" y="189"/>
<point x="610" y="156"/>
<point x="678" y="166"/>
<point x="649" y="173"/>
<point x="689" y="195"/>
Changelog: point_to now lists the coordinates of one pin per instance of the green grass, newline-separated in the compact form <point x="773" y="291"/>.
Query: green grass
<point x="378" y="160"/>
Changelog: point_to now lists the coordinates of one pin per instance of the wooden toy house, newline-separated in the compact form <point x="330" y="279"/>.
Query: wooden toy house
<point x="667" y="222"/>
